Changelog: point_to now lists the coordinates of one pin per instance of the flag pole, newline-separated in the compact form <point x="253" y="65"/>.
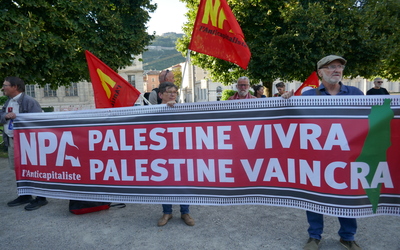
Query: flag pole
<point x="144" y="99"/>
<point x="181" y="97"/>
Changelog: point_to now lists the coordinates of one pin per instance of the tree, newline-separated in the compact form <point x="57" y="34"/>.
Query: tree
<point x="43" y="41"/>
<point x="226" y="93"/>
<point x="287" y="38"/>
<point x="177" y="76"/>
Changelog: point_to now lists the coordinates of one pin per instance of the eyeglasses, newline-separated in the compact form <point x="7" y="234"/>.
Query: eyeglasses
<point x="376" y="82"/>
<point x="334" y="67"/>
<point x="243" y="85"/>
<point x="6" y="85"/>
<point x="171" y="92"/>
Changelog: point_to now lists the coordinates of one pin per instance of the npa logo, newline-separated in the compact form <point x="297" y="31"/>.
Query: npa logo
<point x="106" y="82"/>
<point x="47" y="148"/>
<point x="215" y="13"/>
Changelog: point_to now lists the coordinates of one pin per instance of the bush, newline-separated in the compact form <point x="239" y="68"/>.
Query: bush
<point x="230" y="92"/>
<point x="48" y="109"/>
<point x="3" y="99"/>
<point x="227" y="93"/>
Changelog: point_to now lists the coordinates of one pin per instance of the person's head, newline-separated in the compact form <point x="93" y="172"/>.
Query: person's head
<point x="280" y="86"/>
<point x="330" y="69"/>
<point x="12" y="86"/>
<point x="378" y="82"/>
<point x="166" y="76"/>
<point x="258" y="90"/>
<point x="243" y="85"/>
<point x="168" y="92"/>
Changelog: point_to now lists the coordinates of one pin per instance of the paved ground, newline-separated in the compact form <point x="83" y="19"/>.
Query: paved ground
<point x="135" y="227"/>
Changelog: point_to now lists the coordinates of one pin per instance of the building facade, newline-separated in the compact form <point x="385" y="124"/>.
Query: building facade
<point x="150" y="80"/>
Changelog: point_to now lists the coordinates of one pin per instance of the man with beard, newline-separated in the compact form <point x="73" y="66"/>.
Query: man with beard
<point x="243" y="86"/>
<point x="330" y="71"/>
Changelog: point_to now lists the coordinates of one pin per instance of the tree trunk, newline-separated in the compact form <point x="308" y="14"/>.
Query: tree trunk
<point x="268" y="86"/>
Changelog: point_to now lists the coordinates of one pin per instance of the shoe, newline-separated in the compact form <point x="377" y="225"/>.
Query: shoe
<point x="164" y="219"/>
<point x="312" y="244"/>
<point x="36" y="203"/>
<point x="23" y="199"/>
<point x="350" y="245"/>
<point x="188" y="220"/>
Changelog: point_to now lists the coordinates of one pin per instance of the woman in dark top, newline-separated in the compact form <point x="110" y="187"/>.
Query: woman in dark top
<point x="259" y="91"/>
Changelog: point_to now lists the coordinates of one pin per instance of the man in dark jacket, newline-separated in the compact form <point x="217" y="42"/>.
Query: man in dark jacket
<point x="377" y="89"/>
<point x="18" y="102"/>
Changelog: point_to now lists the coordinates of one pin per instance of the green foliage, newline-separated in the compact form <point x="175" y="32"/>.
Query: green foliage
<point x="287" y="38"/>
<point x="44" y="41"/>
<point x="3" y="100"/>
<point x="48" y="109"/>
<point x="178" y="77"/>
<point x="226" y="93"/>
<point x="162" y="58"/>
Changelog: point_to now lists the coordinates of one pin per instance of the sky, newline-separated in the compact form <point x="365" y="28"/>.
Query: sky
<point x="169" y="17"/>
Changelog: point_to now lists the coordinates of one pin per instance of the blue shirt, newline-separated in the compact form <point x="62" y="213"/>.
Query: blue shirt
<point x="344" y="90"/>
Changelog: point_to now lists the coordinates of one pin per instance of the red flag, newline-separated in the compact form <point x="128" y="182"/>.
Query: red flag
<point x="110" y="89"/>
<point x="312" y="81"/>
<point x="217" y="33"/>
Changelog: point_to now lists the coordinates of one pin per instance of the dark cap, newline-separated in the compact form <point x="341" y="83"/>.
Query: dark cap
<point x="328" y="59"/>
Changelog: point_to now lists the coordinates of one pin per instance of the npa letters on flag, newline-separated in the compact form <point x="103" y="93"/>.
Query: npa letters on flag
<point x="110" y="89"/>
<point x="217" y="33"/>
<point x="331" y="155"/>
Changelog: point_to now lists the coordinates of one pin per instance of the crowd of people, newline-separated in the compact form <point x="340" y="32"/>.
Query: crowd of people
<point x="329" y="69"/>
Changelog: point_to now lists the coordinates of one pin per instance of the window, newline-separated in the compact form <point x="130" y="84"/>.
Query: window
<point x="48" y="92"/>
<point x="72" y="90"/>
<point x="132" y="80"/>
<point x="30" y="90"/>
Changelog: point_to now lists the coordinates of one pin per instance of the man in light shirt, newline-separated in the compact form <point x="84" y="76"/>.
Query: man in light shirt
<point x="18" y="102"/>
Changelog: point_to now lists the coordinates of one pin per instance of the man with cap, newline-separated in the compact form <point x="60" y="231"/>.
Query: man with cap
<point x="330" y="71"/>
<point x="377" y="89"/>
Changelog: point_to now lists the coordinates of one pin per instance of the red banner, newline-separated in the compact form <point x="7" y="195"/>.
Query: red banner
<point x="336" y="156"/>
<point x="110" y="89"/>
<point x="217" y="33"/>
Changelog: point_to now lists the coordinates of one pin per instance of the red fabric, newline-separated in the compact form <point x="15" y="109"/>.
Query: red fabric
<point x="311" y="81"/>
<point x="110" y="89"/>
<point x="217" y="33"/>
